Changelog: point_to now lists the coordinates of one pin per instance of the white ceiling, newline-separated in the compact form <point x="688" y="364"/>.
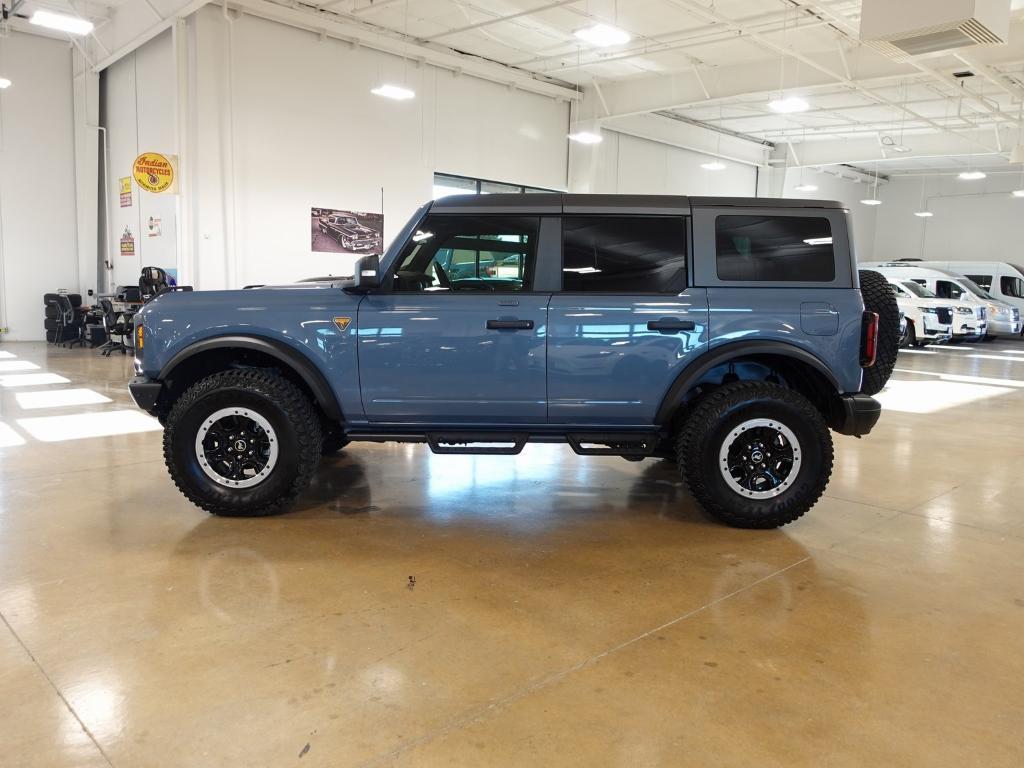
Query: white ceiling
<point x="713" y="62"/>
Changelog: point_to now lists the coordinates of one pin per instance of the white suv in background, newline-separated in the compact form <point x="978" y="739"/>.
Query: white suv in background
<point x="928" y="321"/>
<point x="967" y="319"/>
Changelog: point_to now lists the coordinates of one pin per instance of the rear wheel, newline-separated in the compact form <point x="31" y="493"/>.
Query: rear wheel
<point x="755" y="455"/>
<point x="879" y="299"/>
<point x="242" y="443"/>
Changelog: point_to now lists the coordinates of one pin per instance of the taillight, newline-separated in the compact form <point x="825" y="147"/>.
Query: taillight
<point x="868" y="339"/>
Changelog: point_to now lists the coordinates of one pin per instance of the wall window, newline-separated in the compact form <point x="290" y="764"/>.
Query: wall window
<point x="470" y="253"/>
<point x="446" y="184"/>
<point x="624" y="254"/>
<point x="775" y="249"/>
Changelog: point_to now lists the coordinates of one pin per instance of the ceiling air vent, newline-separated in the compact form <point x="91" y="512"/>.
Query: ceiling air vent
<point x="919" y="27"/>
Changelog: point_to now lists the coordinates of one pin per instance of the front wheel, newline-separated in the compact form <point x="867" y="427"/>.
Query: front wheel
<point x="242" y="443"/>
<point x="755" y="455"/>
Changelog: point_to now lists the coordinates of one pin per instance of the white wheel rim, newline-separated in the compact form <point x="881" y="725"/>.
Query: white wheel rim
<point x="774" y="465"/>
<point x="243" y="446"/>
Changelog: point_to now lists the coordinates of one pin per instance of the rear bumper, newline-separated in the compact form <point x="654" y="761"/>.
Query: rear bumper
<point x="859" y="414"/>
<point x="145" y="392"/>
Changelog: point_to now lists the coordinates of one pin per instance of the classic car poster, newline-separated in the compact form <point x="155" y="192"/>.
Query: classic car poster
<point x="334" y="231"/>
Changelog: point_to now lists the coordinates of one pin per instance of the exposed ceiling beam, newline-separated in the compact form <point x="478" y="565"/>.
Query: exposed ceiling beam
<point x="498" y="20"/>
<point x="868" y="149"/>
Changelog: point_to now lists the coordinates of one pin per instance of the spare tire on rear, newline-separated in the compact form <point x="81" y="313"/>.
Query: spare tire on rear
<point x="879" y="298"/>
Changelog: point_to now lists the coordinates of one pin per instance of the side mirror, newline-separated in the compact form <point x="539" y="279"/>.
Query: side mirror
<point x="367" y="276"/>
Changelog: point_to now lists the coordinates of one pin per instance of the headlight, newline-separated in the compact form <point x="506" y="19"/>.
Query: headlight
<point x="996" y="310"/>
<point x="929" y="311"/>
<point x="964" y="311"/>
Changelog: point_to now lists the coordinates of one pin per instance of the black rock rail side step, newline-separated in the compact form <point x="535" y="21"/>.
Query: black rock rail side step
<point x="613" y="443"/>
<point x="478" y="443"/>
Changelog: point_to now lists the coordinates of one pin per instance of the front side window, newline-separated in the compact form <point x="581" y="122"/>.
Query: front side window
<point x="775" y="249"/>
<point x="984" y="281"/>
<point x="946" y="289"/>
<point x="624" y="254"/>
<point x="1012" y="286"/>
<point x="460" y="253"/>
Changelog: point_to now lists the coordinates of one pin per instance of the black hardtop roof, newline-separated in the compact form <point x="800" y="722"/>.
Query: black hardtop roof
<point x="558" y="202"/>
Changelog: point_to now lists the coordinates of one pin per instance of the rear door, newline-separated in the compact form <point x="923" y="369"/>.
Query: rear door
<point x="625" y="322"/>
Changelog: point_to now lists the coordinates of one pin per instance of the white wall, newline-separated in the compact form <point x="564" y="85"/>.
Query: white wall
<point x="974" y="220"/>
<point x="281" y="121"/>
<point x="627" y="164"/>
<point x="38" y="240"/>
<point x="140" y="117"/>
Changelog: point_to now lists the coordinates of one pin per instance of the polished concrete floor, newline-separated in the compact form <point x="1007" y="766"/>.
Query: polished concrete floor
<point x="544" y="610"/>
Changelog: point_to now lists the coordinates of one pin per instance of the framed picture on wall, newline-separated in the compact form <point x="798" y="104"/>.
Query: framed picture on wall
<point x="352" y="232"/>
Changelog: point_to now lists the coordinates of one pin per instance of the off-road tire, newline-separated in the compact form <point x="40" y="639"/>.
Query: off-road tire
<point x="290" y="413"/>
<point x="878" y="298"/>
<point x="709" y="425"/>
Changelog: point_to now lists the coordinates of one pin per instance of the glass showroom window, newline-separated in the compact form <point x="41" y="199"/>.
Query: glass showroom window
<point x="446" y="184"/>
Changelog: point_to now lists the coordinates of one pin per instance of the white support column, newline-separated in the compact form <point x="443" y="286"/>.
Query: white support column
<point x="185" y="230"/>
<point x="88" y="141"/>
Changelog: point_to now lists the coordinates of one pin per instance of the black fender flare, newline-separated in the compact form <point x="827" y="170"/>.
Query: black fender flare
<point x="690" y="375"/>
<point x="303" y="366"/>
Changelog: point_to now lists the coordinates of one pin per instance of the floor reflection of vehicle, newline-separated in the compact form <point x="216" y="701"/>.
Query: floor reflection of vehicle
<point x="350" y="234"/>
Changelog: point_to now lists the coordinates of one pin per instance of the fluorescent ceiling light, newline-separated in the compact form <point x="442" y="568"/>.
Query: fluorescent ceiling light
<point x="603" y="35"/>
<point x="714" y="165"/>
<point x="61" y="22"/>
<point x="396" y="92"/>
<point x="788" y="105"/>
<point x="1018" y="193"/>
<point x="924" y="214"/>
<point x="586" y="137"/>
<point x="972" y="175"/>
<point x="805" y="188"/>
<point x="872" y="201"/>
<point x="901" y="148"/>
<point x="818" y="241"/>
<point x="4" y="83"/>
<point x="582" y="270"/>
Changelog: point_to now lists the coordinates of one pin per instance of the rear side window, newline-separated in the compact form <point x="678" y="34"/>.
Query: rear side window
<point x="786" y="249"/>
<point x="624" y="254"/>
<point x="946" y="289"/>
<point x="983" y="281"/>
<point x="1012" y="286"/>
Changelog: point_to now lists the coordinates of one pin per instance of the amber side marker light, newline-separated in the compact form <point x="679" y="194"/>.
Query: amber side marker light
<point x="139" y="337"/>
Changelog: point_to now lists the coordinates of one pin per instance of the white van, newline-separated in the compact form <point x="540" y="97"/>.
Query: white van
<point x="1000" y="316"/>
<point x="1002" y="280"/>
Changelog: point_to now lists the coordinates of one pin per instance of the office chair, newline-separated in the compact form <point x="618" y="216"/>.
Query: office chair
<point x="69" y="321"/>
<point x="153" y="282"/>
<point x="115" y="326"/>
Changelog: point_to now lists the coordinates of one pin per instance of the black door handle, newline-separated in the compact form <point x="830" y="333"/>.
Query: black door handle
<point x="670" y="325"/>
<point x="510" y="325"/>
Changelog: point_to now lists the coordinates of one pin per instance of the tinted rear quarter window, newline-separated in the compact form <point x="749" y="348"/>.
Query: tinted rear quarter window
<point x="789" y="249"/>
<point x="624" y="254"/>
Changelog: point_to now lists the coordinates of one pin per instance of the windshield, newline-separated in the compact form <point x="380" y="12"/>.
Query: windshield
<point x="976" y="289"/>
<point x="918" y="290"/>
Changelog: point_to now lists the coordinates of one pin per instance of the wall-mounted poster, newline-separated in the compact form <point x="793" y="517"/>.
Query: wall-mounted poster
<point x="127" y="243"/>
<point x="126" y="191"/>
<point x="153" y="228"/>
<point x="154" y="172"/>
<point x="334" y="231"/>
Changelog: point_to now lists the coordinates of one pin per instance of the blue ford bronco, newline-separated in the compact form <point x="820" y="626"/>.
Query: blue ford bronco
<point x="729" y="335"/>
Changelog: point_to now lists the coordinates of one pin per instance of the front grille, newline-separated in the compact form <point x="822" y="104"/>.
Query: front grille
<point x="1016" y="314"/>
<point x="945" y="315"/>
<point x="981" y="313"/>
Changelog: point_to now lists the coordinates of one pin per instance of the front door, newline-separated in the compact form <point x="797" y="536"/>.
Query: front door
<point x="457" y="333"/>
